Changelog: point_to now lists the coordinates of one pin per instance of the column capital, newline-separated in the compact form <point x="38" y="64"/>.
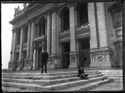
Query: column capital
<point x="71" y="5"/>
<point x="49" y="12"/>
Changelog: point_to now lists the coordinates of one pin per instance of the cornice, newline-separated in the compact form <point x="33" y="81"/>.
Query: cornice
<point x="36" y="10"/>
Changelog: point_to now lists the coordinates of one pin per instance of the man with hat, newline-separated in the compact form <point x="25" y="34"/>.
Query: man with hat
<point x="44" y="57"/>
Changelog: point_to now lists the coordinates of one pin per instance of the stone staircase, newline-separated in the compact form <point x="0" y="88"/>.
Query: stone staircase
<point x="53" y="81"/>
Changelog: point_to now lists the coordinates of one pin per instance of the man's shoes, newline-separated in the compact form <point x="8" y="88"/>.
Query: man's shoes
<point x="44" y="73"/>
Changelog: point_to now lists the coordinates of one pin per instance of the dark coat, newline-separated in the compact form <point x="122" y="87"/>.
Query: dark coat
<point x="82" y="74"/>
<point x="44" y="57"/>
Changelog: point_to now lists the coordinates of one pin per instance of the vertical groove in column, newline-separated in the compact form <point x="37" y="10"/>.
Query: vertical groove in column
<point x="54" y="32"/>
<point x="58" y="31"/>
<point x="31" y="40"/>
<point x="21" y="45"/>
<point x="48" y="32"/>
<point x="72" y="29"/>
<point x="102" y="24"/>
<point x="14" y="43"/>
<point x="97" y="29"/>
<point x="28" y="41"/>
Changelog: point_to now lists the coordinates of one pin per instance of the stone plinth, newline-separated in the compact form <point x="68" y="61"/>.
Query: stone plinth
<point x="20" y="65"/>
<point x="27" y="64"/>
<point x="73" y="60"/>
<point x="12" y="66"/>
<point x="101" y="58"/>
<point x="54" y="61"/>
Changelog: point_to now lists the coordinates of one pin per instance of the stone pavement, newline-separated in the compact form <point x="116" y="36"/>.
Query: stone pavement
<point x="115" y="74"/>
<point x="117" y="85"/>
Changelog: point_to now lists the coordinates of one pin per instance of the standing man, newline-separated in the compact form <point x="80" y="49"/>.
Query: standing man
<point x="44" y="57"/>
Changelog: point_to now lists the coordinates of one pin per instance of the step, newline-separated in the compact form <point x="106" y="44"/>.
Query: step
<point x="37" y="87"/>
<point x="46" y="82"/>
<point x="54" y="73"/>
<point x="73" y="83"/>
<point x="10" y="89"/>
<point x="40" y="77"/>
<point x="39" y="74"/>
<point x="23" y="86"/>
<point x="88" y="86"/>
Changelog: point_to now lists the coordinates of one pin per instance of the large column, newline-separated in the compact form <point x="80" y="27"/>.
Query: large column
<point x="102" y="24"/>
<point x="31" y="46"/>
<point x="28" y="41"/>
<point x="54" y="40"/>
<point x="53" y="32"/>
<point x="92" y="17"/>
<point x="106" y="52"/>
<point x="73" y="54"/>
<point x="49" y="39"/>
<point x="31" y="40"/>
<point x="20" y="64"/>
<point x="35" y="59"/>
<point x="11" y="63"/>
<point x="48" y="32"/>
<point x="100" y="56"/>
<point x="58" y="63"/>
<point x="27" y="60"/>
<point x="13" y="46"/>
<point x="92" y="23"/>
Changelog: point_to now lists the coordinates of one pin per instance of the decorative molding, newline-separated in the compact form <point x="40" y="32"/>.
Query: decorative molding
<point x="41" y="38"/>
<point x="64" y="34"/>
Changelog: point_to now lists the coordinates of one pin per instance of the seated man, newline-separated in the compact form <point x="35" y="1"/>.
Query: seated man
<point x="82" y="74"/>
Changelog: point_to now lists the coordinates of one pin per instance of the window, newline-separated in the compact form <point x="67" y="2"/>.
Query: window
<point x="42" y="26"/>
<point x="18" y="37"/>
<point x="24" y="54"/>
<point x="116" y="15"/>
<point x="16" y="56"/>
<point x="65" y="19"/>
<point x="25" y="33"/>
<point x="82" y="14"/>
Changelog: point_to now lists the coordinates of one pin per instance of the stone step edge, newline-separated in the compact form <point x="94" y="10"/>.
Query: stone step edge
<point x="88" y="86"/>
<point x="41" y="77"/>
<point x="47" y="82"/>
<point x="10" y="89"/>
<point x="73" y="83"/>
<point x="48" y="88"/>
<point x="47" y="74"/>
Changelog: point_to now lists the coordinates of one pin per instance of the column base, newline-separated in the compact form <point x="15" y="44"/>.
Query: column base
<point x="73" y="60"/>
<point x="20" y="65"/>
<point x="12" y="66"/>
<point x="28" y="64"/>
<point x="54" y="61"/>
<point x="118" y="54"/>
<point x="101" y="58"/>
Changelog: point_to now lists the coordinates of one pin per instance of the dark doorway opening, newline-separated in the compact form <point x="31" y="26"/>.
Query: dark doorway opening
<point x="82" y="14"/>
<point x="65" y="55"/>
<point x="84" y="55"/>
<point x="65" y="19"/>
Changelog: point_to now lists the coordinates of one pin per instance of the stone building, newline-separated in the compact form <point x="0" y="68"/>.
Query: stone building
<point x="88" y="34"/>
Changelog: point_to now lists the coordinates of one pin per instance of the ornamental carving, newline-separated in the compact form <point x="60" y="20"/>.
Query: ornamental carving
<point x="73" y="59"/>
<point x="100" y="58"/>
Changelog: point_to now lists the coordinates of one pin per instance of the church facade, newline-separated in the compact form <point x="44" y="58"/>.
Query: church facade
<point x="74" y="34"/>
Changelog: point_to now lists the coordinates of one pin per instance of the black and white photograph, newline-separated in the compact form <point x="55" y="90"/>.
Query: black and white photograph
<point x="61" y="46"/>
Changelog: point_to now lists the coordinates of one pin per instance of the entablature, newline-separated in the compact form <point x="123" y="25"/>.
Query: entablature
<point x="32" y="13"/>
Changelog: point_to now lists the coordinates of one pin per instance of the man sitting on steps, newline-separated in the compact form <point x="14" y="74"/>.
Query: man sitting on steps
<point x="82" y="74"/>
